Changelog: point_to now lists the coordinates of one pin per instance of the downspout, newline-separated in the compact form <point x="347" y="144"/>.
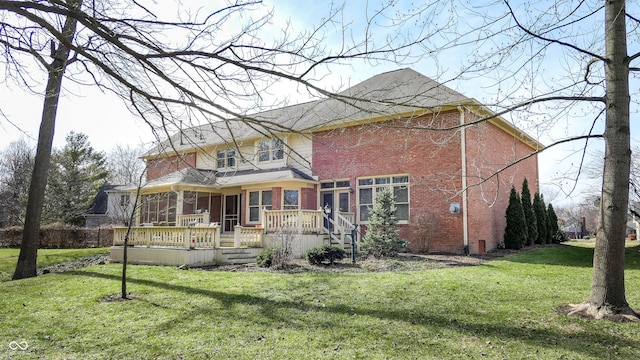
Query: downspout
<point x="463" y="156"/>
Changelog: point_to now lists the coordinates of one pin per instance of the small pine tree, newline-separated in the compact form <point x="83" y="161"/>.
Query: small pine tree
<point x="515" y="231"/>
<point x="529" y="215"/>
<point x="382" y="238"/>
<point x="541" y="218"/>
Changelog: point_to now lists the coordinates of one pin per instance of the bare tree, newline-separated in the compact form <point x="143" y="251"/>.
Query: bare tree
<point x="204" y="74"/>
<point x="595" y="80"/>
<point x="124" y="165"/>
<point x="208" y="65"/>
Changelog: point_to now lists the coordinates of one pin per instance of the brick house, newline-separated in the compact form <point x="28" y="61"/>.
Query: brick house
<point x="398" y="129"/>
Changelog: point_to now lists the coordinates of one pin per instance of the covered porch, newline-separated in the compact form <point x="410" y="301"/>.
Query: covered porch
<point x="213" y="214"/>
<point x="198" y="241"/>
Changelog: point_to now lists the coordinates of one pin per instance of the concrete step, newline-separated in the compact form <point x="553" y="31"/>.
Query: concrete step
<point x="238" y="255"/>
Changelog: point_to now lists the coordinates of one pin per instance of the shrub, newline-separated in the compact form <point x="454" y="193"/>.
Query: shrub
<point x="57" y="235"/>
<point x="541" y="217"/>
<point x="559" y="237"/>
<point x="553" y="219"/>
<point x="265" y="258"/>
<point x="425" y="229"/>
<point x="273" y="257"/>
<point x="529" y="215"/>
<point x="325" y="253"/>
<point x="515" y="233"/>
<point x="283" y="247"/>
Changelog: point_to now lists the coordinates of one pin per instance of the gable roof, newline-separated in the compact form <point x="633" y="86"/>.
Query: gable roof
<point x="390" y="94"/>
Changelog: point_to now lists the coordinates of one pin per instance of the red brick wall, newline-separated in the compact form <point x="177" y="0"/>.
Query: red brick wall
<point x="244" y="216"/>
<point x="163" y="166"/>
<point x="488" y="150"/>
<point x="276" y="198"/>
<point x="433" y="161"/>
<point x="309" y="198"/>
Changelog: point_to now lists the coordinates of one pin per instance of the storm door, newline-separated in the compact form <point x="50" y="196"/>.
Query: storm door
<point x="231" y="212"/>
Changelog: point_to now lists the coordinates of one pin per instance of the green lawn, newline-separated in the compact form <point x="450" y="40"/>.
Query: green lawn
<point x="46" y="257"/>
<point x="503" y="309"/>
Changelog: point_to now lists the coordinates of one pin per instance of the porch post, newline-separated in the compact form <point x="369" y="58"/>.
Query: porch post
<point x="179" y="203"/>
<point x="218" y="229"/>
<point x="237" y="236"/>
<point x="187" y="238"/>
<point x="300" y="221"/>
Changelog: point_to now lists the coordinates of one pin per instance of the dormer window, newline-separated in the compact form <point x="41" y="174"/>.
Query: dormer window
<point x="270" y="150"/>
<point x="226" y="158"/>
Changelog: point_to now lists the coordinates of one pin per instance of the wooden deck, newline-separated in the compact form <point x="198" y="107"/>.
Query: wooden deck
<point x="197" y="242"/>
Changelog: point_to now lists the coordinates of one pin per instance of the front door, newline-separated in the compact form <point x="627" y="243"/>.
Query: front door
<point x="231" y="213"/>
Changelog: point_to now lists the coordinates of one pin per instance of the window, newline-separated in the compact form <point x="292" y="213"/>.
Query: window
<point x="291" y="200"/>
<point x="270" y="150"/>
<point x="258" y="200"/>
<point x="159" y="208"/>
<point x="336" y="184"/>
<point x="124" y="200"/>
<point x="369" y="187"/>
<point x="226" y="158"/>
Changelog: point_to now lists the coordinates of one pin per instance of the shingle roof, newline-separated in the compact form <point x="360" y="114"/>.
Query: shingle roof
<point x="212" y="178"/>
<point x="388" y="93"/>
<point x="99" y="203"/>
<point x="188" y="176"/>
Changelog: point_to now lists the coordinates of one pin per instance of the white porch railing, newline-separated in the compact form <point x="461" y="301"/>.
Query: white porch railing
<point x="340" y="228"/>
<point x="306" y="221"/>
<point x="345" y="220"/>
<point x="169" y="236"/>
<point x="247" y="236"/>
<point x="193" y="219"/>
<point x="189" y="237"/>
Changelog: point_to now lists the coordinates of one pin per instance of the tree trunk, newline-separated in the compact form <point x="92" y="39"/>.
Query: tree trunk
<point x="26" y="266"/>
<point x="607" y="296"/>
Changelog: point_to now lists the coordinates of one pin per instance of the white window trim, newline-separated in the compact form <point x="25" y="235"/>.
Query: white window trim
<point x="373" y="194"/>
<point x="335" y="187"/>
<point x="283" y="197"/>
<point x="226" y="158"/>
<point x="271" y="159"/>
<point x="260" y="206"/>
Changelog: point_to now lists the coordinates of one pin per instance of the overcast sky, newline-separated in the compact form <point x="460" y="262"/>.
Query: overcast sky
<point x="107" y="121"/>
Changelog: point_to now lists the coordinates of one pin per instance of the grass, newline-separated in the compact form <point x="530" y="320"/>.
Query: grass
<point x="46" y="257"/>
<point x="503" y="309"/>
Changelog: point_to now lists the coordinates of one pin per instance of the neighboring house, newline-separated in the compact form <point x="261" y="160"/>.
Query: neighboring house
<point x="340" y="152"/>
<point x="112" y="205"/>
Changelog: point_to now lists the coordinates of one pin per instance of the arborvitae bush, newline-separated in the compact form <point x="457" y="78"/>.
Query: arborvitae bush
<point x="550" y="233"/>
<point x="515" y="231"/>
<point x="529" y="215"/>
<point x="541" y="219"/>
<point x="553" y="219"/>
